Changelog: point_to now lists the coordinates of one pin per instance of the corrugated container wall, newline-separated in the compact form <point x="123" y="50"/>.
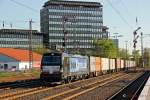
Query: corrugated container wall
<point x="122" y="64"/>
<point x="118" y="63"/>
<point x="112" y="64"/>
<point x="98" y="64"/>
<point x="126" y="63"/>
<point x="92" y="64"/>
<point x="105" y="64"/>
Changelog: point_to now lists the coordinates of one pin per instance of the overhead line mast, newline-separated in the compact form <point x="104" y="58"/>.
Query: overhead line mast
<point x="30" y="45"/>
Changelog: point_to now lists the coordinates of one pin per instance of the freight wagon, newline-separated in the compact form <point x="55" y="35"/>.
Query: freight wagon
<point x="63" y="67"/>
<point x="105" y="65"/>
<point x="95" y="66"/>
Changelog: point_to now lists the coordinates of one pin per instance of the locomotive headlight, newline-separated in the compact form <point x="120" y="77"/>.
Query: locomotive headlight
<point x="61" y="70"/>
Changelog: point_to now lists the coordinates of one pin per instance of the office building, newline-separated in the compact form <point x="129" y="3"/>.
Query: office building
<point x="17" y="38"/>
<point x="72" y="24"/>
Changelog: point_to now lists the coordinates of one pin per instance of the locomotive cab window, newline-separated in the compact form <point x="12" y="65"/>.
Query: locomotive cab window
<point x="51" y="60"/>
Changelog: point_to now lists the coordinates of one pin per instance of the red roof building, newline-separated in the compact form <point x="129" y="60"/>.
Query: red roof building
<point x="10" y="55"/>
<point x="18" y="54"/>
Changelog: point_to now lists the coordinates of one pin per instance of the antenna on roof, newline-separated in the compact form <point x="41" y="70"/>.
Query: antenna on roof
<point x="10" y="25"/>
<point x="3" y="24"/>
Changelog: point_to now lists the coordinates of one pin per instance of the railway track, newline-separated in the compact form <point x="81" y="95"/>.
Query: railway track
<point x="67" y="95"/>
<point x="39" y="93"/>
<point x="68" y="91"/>
<point x="20" y="87"/>
<point x="132" y="90"/>
<point x="84" y="93"/>
<point x="16" y="84"/>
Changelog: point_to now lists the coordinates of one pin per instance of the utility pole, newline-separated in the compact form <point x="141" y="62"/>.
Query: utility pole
<point x="142" y="49"/>
<point x="126" y="54"/>
<point x="142" y="52"/>
<point x="30" y="45"/>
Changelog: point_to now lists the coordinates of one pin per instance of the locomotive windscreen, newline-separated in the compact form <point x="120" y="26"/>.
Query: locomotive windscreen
<point x="51" y="60"/>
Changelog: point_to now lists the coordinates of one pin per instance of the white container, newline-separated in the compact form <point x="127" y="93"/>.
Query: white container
<point x="122" y="64"/>
<point x="127" y="63"/>
<point x="92" y="64"/>
<point x="112" y="64"/>
<point x="105" y="64"/>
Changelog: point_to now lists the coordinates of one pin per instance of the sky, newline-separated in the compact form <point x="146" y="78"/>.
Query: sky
<point x="118" y="15"/>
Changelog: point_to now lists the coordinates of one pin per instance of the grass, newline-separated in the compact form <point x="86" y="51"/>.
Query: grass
<point x="32" y="73"/>
<point x="7" y="74"/>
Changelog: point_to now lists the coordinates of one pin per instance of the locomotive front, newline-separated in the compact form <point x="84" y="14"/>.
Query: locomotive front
<point x="51" y="66"/>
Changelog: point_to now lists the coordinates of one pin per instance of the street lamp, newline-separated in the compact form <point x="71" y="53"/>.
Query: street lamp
<point x="126" y="43"/>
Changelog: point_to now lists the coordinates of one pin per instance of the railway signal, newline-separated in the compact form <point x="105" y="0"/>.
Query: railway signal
<point x="135" y="37"/>
<point x="65" y="19"/>
<point x="135" y="41"/>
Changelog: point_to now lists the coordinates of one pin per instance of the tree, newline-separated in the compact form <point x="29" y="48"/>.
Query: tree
<point x="105" y="48"/>
<point x="41" y="50"/>
<point x="123" y="53"/>
<point x="146" y="56"/>
<point x="136" y="55"/>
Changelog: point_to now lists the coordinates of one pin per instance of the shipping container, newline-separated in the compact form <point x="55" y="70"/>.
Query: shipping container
<point x="118" y="64"/>
<point x="134" y="64"/>
<point x="98" y="66"/>
<point x="105" y="65"/>
<point x="92" y="64"/>
<point x="95" y="66"/>
<point x="122" y="64"/>
<point x="127" y="64"/>
<point x="131" y="64"/>
<point x="112" y="64"/>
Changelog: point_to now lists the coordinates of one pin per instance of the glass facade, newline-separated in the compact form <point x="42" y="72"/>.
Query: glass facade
<point x="82" y="21"/>
<point x="11" y="39"/>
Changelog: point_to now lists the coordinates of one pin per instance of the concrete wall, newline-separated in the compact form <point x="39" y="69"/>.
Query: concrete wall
<point x="23" y="65"/>
<point x="9" y="66"/>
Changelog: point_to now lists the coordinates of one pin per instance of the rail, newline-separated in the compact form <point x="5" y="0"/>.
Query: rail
<point x="132" y="90"/>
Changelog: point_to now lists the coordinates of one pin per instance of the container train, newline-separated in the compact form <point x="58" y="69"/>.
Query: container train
<point x="63" y="67"/>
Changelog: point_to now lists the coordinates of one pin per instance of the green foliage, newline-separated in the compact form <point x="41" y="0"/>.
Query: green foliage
<point x="123" y="53"/>
<point x="147" y="56"/>
<point x="38" y="50"/>
<point x="105" y="48"/>
<point x="41" y="50"/>
<point x="7" y="74"/>
<point x="136" y="56"/>
<point x="33" y="72"/>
